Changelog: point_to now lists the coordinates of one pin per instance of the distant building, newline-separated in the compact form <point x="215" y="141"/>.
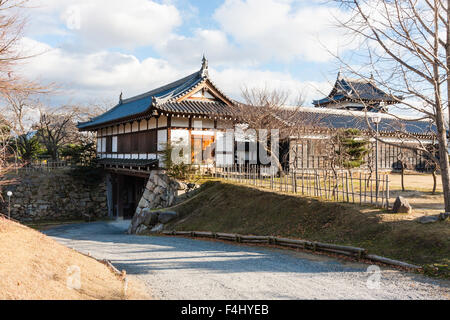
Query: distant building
<point x="308" y="151"/>
<point x="357" y="95"/>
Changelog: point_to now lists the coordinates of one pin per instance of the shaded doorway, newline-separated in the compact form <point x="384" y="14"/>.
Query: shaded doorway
<point x="127" y="192"/>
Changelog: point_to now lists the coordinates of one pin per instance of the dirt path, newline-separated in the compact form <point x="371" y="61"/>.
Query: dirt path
<point x="178" y="268"/>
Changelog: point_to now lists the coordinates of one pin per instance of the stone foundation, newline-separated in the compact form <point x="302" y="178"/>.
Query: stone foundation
<point x="160" y="192"/>
<point x="54" y="195"/>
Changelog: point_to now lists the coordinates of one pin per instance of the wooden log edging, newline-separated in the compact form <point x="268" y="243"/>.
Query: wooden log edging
<point x="393" y="262"/>
<point x="354" y="252"/>
<point x="110" y="265"/>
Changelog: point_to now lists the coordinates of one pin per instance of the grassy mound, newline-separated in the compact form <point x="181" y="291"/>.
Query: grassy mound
<point x="226" y="207"/>
<point x="35" y="267"/>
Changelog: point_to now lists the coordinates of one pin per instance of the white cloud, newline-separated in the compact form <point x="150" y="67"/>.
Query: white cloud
<point x="187" y="51"/>
<point x="233" y="80"/>
<point x="107" y="23"/>
<point x="96" y="76"/>
<point x="281" y="30"/>
<point x="103" y="75"/>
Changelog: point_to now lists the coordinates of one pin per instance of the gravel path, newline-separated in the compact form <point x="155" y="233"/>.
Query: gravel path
<point x="180" y="268"/>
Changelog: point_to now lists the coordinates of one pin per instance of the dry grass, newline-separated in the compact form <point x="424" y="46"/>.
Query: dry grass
<point x="415" y="181"/>
<point x="34" y="267"/>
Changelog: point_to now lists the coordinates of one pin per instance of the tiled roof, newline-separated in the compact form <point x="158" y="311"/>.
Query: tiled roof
<point x="345" y="119"/>
<point x="143" y="102"/>
<point x="163" y="98"/>
<point x="356" y="90"/>
<point x="196" y="107"/>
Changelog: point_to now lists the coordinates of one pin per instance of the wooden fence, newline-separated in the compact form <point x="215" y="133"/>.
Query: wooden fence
<point x="339" y="186"/>
<point x="44" y="165"/>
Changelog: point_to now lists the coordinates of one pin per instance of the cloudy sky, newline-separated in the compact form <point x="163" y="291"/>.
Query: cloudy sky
<point x="94" y="49"/>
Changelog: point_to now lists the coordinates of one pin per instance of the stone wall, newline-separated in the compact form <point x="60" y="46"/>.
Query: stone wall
<point x="160" y="192"/>
<point x="60" y="194"/>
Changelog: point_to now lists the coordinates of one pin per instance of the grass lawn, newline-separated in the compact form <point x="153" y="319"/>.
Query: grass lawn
<point x="228" y="207"/>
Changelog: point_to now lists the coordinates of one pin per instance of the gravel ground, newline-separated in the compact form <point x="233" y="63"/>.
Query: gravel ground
<point x="180" y="268"/>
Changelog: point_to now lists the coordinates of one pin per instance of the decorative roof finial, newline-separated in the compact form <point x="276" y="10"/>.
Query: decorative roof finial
<point x="120" y="97"/>
<point x="204" y="70"/>
<point x="371" y="76"/>
<point x="339" y="73"/>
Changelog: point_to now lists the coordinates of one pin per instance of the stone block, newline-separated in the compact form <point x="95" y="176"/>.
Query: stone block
<point x="401" y="205"/>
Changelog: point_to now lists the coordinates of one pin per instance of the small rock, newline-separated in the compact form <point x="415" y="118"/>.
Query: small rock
<point x="401" y="205"/>
<point x="428" y="219"/>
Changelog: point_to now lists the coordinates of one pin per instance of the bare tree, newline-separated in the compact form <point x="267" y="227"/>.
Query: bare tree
<point x="432" y="165"/>
<point x="15" y="89"/>
<point x="406" y="43"/>
<point x="12" y="23"/>
<point x="404" y="164"/>
<point x="265" y="108"/>
<point x="18" y="107"/>
<point x="57" y="127"/>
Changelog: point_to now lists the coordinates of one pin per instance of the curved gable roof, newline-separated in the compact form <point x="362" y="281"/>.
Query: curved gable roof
<point x="143" y="102"/>
<point x="165" y="98"/>
<point x="356" y="90"/>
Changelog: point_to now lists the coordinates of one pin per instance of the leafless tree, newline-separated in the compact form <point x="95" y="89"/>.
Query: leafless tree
<point x="18" y="110"/>
<point x="406" y="44"/>
<point x="402" y="161"/>
<point x="12" y="23"/>
<point x="15" y="88"/>
<point x="265" y="108"/>
<point x="57" y="127"/>
<point x="432" y="165"/>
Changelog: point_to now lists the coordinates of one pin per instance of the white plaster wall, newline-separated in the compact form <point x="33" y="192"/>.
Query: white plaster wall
<point x="162" y="139"/>
<point x="162" y="121"/>
<point x="152" y="123"/>
<point x="180" y="122"/>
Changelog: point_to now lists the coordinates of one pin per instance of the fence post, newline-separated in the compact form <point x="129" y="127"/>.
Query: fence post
<point x="303" y="180"/>
<point x="286" y="182"/>
<point x="353" y="189"/>
<point x="360" y="189"/>
<point x="271" y="178"/>
<point x="307" y="184"/>
<point x="320" y="183"/>
<point x="280" y="182"/>
<point x="294" y="181"/>
<point x="387" y="192"/>
<point x="347" y="186"/>
<point x="377" y="184"/>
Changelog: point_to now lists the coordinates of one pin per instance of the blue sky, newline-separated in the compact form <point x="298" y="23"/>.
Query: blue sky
<point x="94" y="49"/>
